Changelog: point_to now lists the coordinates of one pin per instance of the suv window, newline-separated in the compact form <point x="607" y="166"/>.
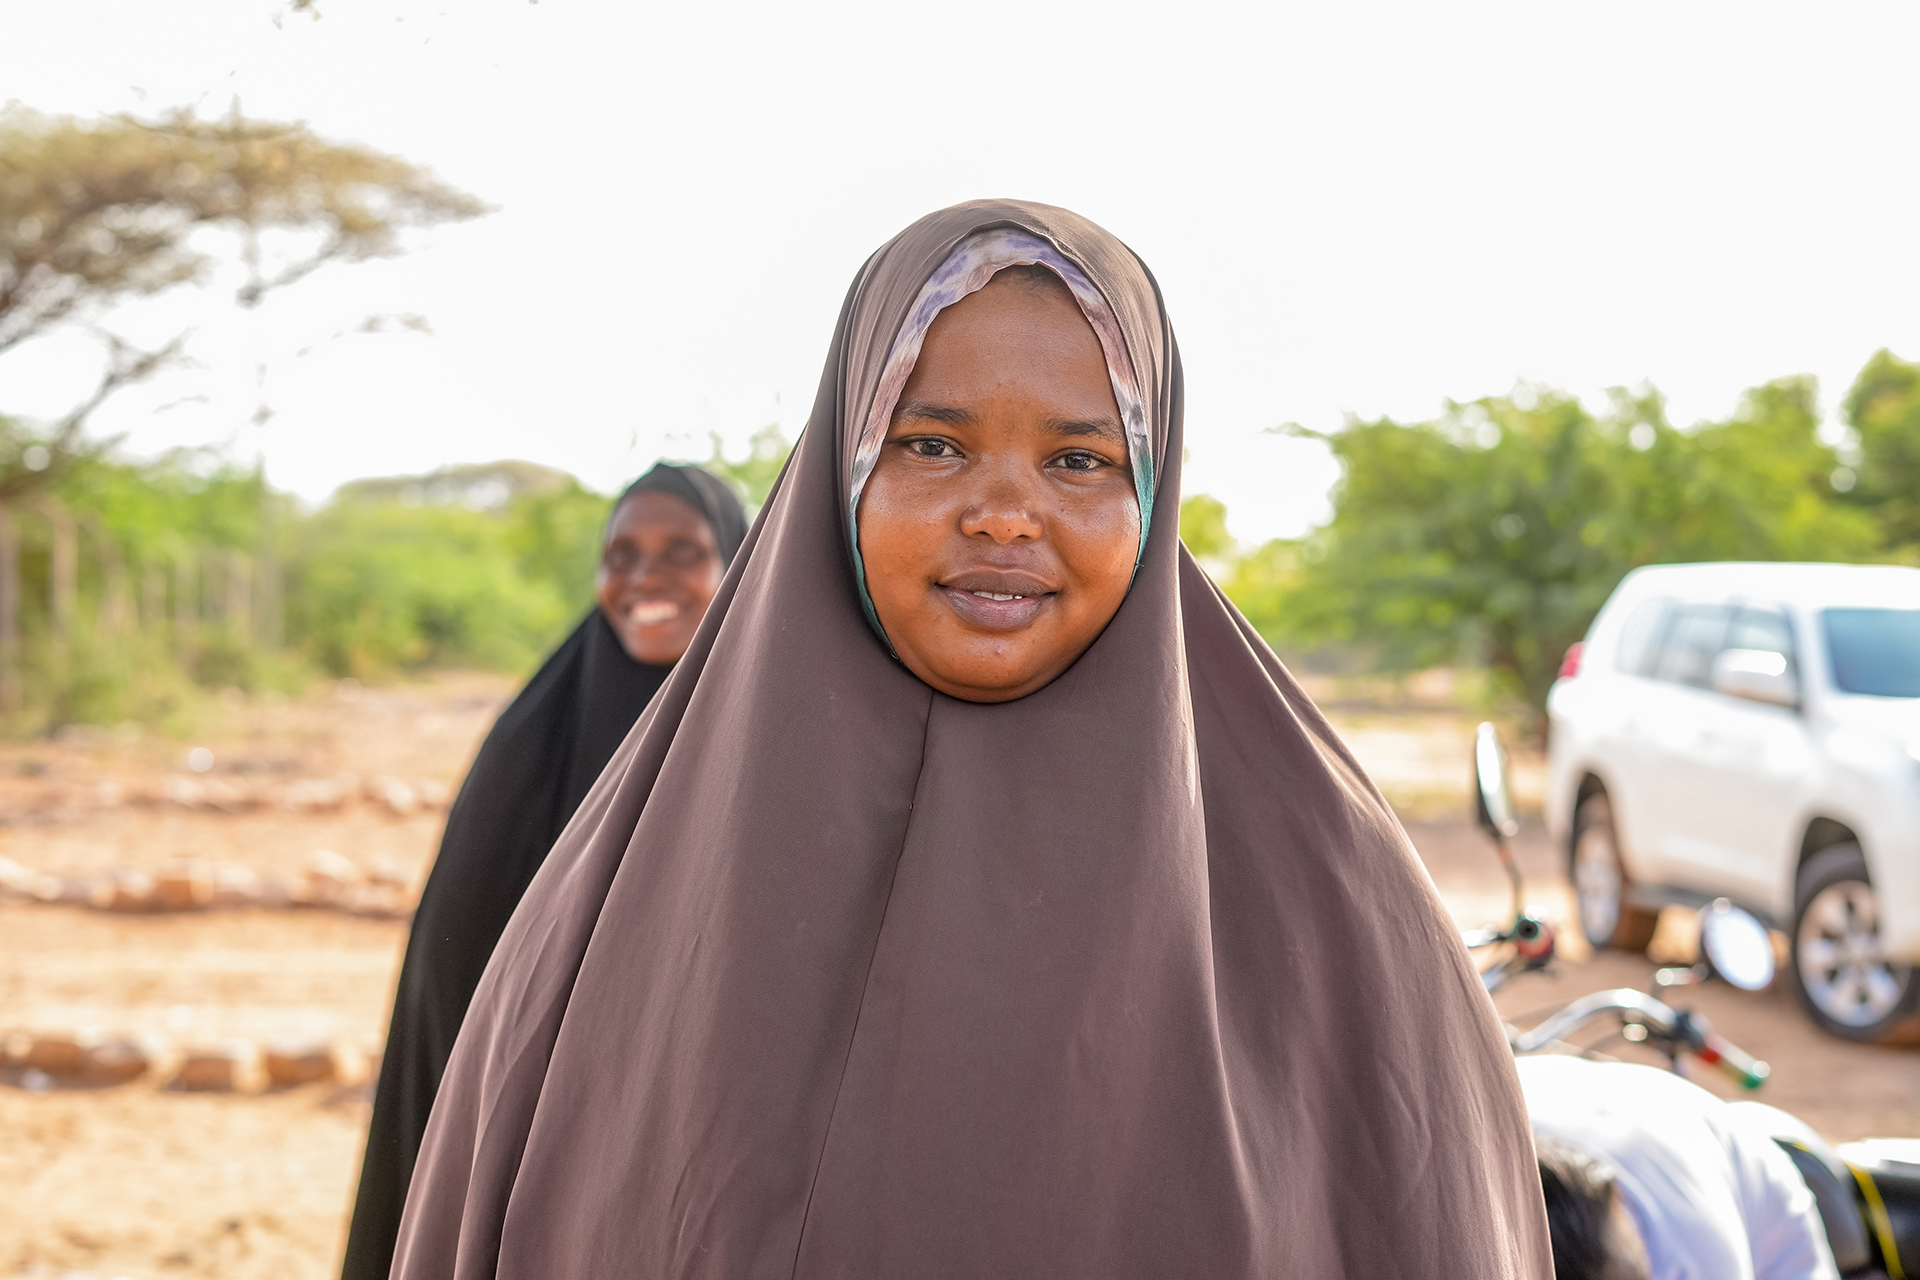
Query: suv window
<point x="1874" y="651"/>
<point x="1696" y="633"/>
<point x="1640" y="637"/>
<point x="1765" y="629"/>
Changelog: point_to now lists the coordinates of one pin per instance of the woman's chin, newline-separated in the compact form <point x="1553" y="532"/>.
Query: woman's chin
<point x="658" y="646"/>
<point x="992" y="681"/>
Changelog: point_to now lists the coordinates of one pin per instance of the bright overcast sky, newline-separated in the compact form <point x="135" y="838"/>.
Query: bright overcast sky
<point x="1352" y="208"/>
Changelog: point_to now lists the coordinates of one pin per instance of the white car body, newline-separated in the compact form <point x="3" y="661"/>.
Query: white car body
<point x="1715" y="795"/>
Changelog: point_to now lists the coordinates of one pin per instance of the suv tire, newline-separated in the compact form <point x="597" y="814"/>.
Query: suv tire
<point x="1846" y="985"/>
<point x="1600" y="882"/>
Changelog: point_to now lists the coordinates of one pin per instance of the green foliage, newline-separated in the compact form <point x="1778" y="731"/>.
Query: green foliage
<point x="1203" y="527"/>
<point x="1495" y="532"/>
<point x="378" y="585"/>
<point x="554" y="537"/>
<point x="155" y="544"/>
<point x="379" y="581"/>
<point x="107" y="683"/>
<point x="753" y="476"/>
<point x="1260" y="583"/>
<point x="186" y="497"/>
<point x="1883" y="408"/>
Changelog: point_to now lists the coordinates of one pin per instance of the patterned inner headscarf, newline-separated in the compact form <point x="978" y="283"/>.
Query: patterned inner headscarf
<point x="973" y="262"/>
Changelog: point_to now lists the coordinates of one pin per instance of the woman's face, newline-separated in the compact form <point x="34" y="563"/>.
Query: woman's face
<point x="658" y="572"/>
<point x="999" y="526"/>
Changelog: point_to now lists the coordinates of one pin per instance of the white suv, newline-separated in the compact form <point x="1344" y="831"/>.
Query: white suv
<point x="1752" y="731"/>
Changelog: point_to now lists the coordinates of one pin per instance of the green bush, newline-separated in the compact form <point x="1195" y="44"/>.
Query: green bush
<point x="379" y="586"/>
<point x="377" y="582"/>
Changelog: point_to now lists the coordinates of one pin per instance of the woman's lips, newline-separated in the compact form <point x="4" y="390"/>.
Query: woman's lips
<point x="652" y="613"/>
<point x="996" y="610"/>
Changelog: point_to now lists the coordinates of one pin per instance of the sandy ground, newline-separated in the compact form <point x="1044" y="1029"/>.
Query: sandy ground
<point x="141" y="1180"/>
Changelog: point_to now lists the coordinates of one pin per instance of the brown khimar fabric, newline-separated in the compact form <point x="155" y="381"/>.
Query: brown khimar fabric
<point x="833" y="975"/>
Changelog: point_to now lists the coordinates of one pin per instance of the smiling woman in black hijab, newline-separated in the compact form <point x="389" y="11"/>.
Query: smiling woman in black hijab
<point x="668" y="541"/>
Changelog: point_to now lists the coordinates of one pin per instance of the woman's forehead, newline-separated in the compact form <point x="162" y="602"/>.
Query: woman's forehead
<point x="966" y="269"/>
<point x="653" y="511"/>
<point x="1010" y="338"/>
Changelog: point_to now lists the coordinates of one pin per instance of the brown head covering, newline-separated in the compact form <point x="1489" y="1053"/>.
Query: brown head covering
<point x="833" y="975"/>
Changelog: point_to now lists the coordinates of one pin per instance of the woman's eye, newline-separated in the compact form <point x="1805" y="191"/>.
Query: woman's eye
<point x="681" y="554"/>
<point x="931" y="449"/>
<point x="1079" y="460"/>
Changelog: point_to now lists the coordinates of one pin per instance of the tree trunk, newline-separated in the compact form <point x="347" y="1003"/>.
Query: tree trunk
<point x="270" y="626"/>
<point x="116" y="605"/>
<point x="153" y="600"/>
<point x="185" y="604"/>
<point x="63" y="585"/>
<point x="9" y="612"/>
<point x="239" y="605"/>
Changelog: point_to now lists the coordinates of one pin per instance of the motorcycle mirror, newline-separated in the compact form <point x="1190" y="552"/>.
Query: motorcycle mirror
<point x="1490" y="778"/>
<point x="1736" y="945"/>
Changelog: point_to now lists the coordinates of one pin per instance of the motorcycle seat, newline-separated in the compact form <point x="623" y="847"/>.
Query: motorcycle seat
<point x="1827" y="1176"/>
<point x="1834" y="1192"/>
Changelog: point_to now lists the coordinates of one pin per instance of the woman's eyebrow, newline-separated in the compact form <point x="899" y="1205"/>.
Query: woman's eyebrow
<point x="1105" y="428"/>
<point x="920" y="409"/>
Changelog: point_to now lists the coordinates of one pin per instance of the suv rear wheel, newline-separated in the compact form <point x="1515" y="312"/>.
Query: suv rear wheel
<point x="1840" y="970"/>
<point x="1600" y="882"/>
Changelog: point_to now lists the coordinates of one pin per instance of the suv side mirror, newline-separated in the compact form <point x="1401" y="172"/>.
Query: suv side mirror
<point x="1736" y="945"/>
<point x="1757" y="675"/>
<point x="1490" y="778"/>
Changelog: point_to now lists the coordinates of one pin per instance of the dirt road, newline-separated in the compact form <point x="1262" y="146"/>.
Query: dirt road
<point x="145" y="1181"/>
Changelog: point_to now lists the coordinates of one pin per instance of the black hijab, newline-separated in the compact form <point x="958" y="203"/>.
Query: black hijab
<point x="538" y="762"/>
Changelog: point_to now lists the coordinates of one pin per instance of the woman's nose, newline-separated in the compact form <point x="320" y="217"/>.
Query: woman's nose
<point x="654" y="571"/>
<point x="643" y="569"/>
<point x="1005" y="510"/>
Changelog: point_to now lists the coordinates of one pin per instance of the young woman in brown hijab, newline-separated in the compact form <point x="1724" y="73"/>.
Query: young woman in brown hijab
<point x="980" y="896"/>
<point x="669" y="538"/>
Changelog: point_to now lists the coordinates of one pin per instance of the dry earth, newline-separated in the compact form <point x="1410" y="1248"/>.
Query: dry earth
<point x="141" y="1180"/>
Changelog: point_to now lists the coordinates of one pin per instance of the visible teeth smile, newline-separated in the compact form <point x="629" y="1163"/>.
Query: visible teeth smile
<point x="994" y="595"/>
<point x="651" y="613"/>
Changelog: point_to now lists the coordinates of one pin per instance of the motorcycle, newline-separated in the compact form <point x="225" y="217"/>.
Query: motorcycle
<point x="1868" y="1192"/>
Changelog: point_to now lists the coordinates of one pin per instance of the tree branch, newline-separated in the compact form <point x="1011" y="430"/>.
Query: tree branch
<point x="126" y="365"/>
<point x="257" y="288"/>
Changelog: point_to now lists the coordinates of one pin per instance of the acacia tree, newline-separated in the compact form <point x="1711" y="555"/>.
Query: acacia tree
<point x="95" y="213"/>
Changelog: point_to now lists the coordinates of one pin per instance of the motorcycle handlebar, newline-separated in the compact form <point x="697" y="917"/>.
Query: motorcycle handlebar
<point x="1746" y="1071"/>
<point x="1684" y="1031"/>
<point x="1656" y="1016"/>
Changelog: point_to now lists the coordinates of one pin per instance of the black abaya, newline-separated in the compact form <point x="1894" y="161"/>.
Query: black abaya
<point x="537" y="764"/>
<point x="539" y="761"/>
